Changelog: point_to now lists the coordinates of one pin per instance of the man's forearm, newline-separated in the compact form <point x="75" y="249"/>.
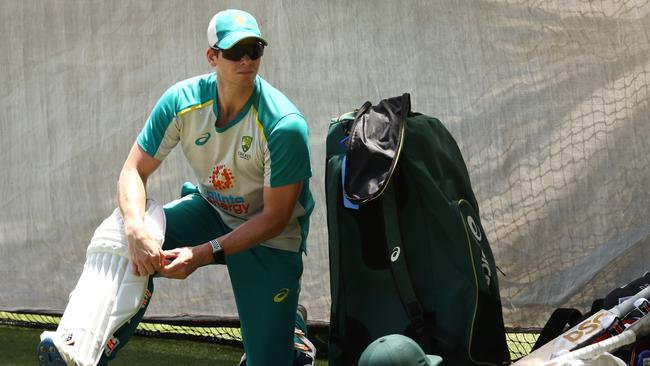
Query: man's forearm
<point x="279" y="203"/>
<point x="131" y="197"/>
<point x="256" y="230"/>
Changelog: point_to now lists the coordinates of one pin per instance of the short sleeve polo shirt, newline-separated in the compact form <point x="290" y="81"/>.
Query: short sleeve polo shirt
<point x="266" y="145"/>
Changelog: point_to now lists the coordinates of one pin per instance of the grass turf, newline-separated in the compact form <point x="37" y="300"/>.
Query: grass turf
<point x="18" y="348"/>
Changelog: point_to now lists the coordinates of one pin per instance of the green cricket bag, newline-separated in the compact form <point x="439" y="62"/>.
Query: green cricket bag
<point x="408" y="254"/>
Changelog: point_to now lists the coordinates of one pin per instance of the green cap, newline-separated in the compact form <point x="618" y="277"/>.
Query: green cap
<point x="230" y="26"/>
<point x="396" y="350"/>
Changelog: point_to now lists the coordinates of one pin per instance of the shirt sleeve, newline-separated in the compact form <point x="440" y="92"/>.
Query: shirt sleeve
<point x="161" y="132"/>
<point x="287" y="160"/>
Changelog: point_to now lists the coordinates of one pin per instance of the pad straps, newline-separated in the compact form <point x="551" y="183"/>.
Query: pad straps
<point x="399" y="268"/>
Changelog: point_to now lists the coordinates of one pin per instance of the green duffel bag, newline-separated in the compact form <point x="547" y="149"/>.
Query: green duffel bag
<point x="408" y="254"/>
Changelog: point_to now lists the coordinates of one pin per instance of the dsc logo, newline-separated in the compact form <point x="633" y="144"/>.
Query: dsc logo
<point x="585" y="329"/>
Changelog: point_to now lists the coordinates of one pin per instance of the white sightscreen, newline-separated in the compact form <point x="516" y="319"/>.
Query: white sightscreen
<point x="548" y="101"/>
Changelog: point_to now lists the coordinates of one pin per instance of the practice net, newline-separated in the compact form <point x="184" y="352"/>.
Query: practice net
<point x="547" y="99"/>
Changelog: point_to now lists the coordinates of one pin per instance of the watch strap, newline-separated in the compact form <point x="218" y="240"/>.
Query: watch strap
<point x="217" y="252"/>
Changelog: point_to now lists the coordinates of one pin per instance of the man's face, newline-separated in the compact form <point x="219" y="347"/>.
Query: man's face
<point x="236" y="65"/>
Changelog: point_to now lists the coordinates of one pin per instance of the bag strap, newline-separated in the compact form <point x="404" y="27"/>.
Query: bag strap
<point x="399" y="268"/>
<point x="556" y="324"/>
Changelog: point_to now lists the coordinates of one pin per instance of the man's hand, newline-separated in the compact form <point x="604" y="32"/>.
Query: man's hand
<point x="144" y="251"/>
<point x="180" y="262"/>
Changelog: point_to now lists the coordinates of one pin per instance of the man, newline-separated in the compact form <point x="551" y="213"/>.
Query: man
<point x="247" y="145"/>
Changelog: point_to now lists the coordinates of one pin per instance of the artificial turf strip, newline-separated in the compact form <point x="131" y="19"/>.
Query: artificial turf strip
<point x="18" y="348"/>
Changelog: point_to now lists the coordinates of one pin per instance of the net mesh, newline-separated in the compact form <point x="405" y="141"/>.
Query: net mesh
<point x="226" y="331"/>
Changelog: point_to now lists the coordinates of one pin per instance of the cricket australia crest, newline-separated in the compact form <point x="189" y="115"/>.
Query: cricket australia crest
<point x="246" y="143"/>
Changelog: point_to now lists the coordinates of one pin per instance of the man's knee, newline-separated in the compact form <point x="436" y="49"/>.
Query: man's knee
<point x="107" y="296"/>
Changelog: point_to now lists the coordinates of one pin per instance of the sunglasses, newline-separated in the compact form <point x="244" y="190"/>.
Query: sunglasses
<point x="237" y="52"/>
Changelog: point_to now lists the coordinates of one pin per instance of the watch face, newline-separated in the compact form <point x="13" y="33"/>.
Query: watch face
<point x="215" y="245"/>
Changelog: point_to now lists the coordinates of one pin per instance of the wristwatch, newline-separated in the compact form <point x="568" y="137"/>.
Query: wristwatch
<point x="217" y="252"/>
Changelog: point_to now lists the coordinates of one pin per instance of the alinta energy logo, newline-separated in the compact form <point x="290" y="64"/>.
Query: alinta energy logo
<point x="222" y="178"/>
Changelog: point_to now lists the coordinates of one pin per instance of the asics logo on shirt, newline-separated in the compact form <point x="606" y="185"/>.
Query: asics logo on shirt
<point x="203" y="139"/>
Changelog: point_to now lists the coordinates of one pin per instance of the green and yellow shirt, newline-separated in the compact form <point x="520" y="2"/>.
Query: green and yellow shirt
<point x="266" y="145"/>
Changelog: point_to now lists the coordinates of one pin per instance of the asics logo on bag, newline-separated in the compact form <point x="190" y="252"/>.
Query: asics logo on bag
<point x="474" y="228"/>
<point x="394" y="255"/>
<point x="203" y="139"/>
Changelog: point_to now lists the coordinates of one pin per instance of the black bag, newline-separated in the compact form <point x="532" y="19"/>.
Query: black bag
<point x="408" y="254"/>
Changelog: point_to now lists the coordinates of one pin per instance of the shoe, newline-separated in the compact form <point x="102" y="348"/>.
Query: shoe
<point x="304" y="359"/>
<point x="302" y="312"/>
<point x="242" y="361"/>
<point x="48" y="354"/>
<point x="306" y="351"/>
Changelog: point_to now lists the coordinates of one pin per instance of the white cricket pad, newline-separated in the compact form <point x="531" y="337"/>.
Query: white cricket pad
<point x="107" y="294"/>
